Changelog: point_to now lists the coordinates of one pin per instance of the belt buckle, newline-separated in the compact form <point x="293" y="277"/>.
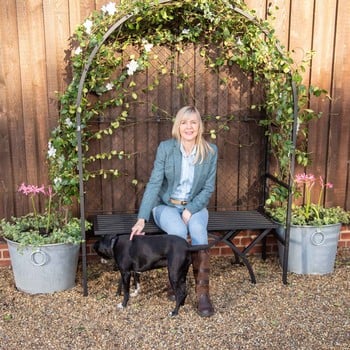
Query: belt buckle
<point x="178" y="201"/>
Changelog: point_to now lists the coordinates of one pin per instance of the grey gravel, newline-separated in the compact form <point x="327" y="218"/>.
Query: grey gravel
<point x="311" y="312"/>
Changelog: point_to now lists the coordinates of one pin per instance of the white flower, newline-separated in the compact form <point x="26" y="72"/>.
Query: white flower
<point x="132" y="67"/>
<point x="185" y="31"/>
<point x="109" y="9"/>
<point x="88" y="25"/>
<point x="148" y="46"/>
<point x="51" y="152"/>
<point x="68" y="122"/>
<point x="109" y="86"/>
<point x="57" y="181"/>
<point x="239" y="42"/>
<point x="78" y="51"/>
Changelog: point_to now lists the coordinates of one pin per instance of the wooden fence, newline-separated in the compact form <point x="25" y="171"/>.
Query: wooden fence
<point x="34" y="50"/>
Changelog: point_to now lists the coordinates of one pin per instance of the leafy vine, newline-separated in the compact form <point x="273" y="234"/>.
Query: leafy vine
<point x="222" y="36"/>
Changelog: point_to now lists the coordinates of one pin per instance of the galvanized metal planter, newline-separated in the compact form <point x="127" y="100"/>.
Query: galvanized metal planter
<point x="45" y="269"/>
<point x="312" y="249"/>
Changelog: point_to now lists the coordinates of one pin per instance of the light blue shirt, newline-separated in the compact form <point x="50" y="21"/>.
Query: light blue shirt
<point x="184" y="187"/>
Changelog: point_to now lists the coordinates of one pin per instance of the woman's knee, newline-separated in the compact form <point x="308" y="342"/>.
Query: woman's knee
<point x="197" y="228"/>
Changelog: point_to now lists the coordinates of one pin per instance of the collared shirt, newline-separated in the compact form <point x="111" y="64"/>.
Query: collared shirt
<point x="184" y="187"/>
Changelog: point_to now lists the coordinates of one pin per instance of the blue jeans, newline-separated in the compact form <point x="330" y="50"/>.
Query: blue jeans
<point x="169" y="219"/>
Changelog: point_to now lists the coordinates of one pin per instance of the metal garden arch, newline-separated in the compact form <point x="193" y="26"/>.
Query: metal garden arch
<point x="86" y="69"/>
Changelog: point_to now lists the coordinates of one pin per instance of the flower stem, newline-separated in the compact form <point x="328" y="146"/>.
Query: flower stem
<point x="48" y="215"/>
<point x="35" y="212"/>
<point x="320" y="197"/>
<point x="33" y="204"/>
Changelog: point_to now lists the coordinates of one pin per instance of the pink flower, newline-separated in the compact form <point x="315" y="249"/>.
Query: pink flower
<point x="31" y="189"/>
<point x="304" y="178"/>
<point x="24" y="189"/>
<point x="323" y="185"/>
<point x="35" y="190"/>
<point x="309" y="181"/>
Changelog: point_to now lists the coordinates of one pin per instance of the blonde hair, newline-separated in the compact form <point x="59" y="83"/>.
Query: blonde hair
<point x="203" y="147"/>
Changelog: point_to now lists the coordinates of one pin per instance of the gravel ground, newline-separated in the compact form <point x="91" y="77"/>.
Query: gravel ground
<point x="311" y="312"/>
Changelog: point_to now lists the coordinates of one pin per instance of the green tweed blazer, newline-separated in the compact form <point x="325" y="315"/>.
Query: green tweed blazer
<point x="166" y="175"/>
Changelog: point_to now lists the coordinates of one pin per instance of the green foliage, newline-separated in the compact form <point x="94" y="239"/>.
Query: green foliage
<point x="225" y="33"/>
<point x="31" y="230"/>
<point x="324" y="216"/>
<point x="308" y="213"/>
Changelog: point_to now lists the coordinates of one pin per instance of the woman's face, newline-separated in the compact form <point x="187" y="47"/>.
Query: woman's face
<point x="189" y="127"/>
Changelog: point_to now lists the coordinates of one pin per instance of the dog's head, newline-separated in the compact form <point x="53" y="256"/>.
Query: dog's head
<point x="104" y="246"/>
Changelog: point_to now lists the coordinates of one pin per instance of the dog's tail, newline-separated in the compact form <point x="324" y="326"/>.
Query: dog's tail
<point x="196" y="248"/>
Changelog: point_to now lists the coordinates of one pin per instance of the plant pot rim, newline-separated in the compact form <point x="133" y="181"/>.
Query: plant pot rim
<point x="311" y="226"/>
<point x="38" y="246"/>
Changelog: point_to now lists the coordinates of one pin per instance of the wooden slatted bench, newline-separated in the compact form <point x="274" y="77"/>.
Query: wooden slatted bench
<point x="222" y="225"/>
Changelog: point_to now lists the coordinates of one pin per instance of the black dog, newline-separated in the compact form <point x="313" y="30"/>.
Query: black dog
<point x="150" y="252"/>
<point x="105" y="250"/>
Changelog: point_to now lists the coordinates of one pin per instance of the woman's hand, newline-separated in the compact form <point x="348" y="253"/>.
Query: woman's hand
<point x="137" y="229"/>
<point x="186" y="216"/>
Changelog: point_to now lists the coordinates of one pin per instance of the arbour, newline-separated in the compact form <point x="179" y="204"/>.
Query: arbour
<point x="226" y="34"/>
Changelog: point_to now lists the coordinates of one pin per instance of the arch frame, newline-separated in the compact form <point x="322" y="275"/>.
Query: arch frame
<point x="79" y="128"/>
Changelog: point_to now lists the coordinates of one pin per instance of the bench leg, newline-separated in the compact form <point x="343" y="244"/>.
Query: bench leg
<point x="236" y="260"/>
<point x="240" y="256"/>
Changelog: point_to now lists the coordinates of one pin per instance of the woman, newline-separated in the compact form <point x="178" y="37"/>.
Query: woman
<point x="178" y="191"/>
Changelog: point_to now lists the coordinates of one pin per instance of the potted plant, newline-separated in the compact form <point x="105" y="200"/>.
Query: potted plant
<point x="314" y="230"/>
<point x="44" y="247"/>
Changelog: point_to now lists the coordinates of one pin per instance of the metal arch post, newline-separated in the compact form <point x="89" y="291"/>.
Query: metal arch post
<point x="290" y="182"/>
<point x="79" y="143"/>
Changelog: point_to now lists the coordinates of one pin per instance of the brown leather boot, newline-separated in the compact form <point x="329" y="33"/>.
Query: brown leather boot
<point x="201" y="269"/>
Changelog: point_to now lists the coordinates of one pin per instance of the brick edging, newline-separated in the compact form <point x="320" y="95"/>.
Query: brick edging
<point x="221" y="249"/>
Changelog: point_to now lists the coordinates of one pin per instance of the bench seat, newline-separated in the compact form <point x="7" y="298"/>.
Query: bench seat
<point x="121" y="223"/>
<point x="223" y="226"/>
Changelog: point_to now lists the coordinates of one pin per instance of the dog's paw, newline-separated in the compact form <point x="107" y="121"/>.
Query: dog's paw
<point x="173" y="313"/>
<point x="137" y="291"/>
<point x="120" y="306"/>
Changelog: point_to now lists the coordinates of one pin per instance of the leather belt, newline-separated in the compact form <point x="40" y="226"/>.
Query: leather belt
<point x="177" y="202"/>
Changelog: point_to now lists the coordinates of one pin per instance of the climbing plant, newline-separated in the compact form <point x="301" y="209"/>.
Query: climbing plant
<point x="225" y="33"/>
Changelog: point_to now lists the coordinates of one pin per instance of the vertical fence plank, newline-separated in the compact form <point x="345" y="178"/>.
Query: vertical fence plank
<point x="12" y="160"/>
<point x="280" y="10"/>
<point x="300" y="41"/>
<point x="56" y="27"/>
<point x="34" y="88"/>
<point x="259" y="6"/>
<point x="339" y="134"/>
<point x="321" y="75"/>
